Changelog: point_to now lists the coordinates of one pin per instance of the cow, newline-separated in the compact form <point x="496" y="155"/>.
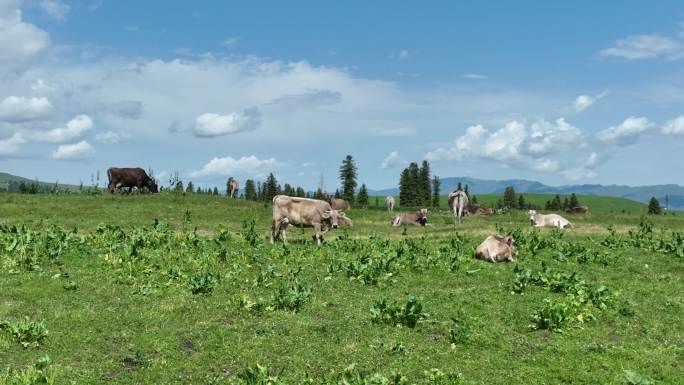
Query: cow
<point x="338" y="203"/>
<point x="577" y="210"/>
<point x="473" y="209"/>
<point x="130" y="177"/>
<point x="233" y="187"/>
<point x="552" y="220"/>
<point x="389" y="202"/>
<point x="497" y="249"/>
<point x="305" y="212"/>
<point x="417" y="218"/>
<point x="458" y="200"/>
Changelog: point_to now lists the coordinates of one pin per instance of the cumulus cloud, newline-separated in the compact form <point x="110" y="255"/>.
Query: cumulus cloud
<point x="477" y="142"/>
<point x="112" y="137"/>
<point x="15" y="109"/>
<point x="72" y="130"/>
<point x="10" y="146"/>
<point x="76" y="151"/>
<point x="392" y="160"/>
<point x="19" y="41"/>
<point x="246" y="165"/>
<point x="645" y="47"/>
<point x="209" y="125"/>
<point x="546" y="137"/>
<point x="674" y="126"/>
<point x="626" y="132"/>
<point x="585" y="101"/>
<point x="55" y="9"/>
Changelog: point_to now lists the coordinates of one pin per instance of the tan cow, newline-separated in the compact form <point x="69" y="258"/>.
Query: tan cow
<point x="234" y="187"/>
<point x="304" y="212"/>
<point x="417" y="218"/>
<point x="577" y="210"/>
<point x="389" y="202"/>
<point x="458" y="200"/>
<point x="338" y="204"/>
<point x="473" y="209"/>
<point x="551" y="220"/>
<point x="497" y="249"/>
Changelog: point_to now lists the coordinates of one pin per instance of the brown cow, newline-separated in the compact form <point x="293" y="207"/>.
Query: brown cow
<point x="130" y="177"/>
<point x="417" y="218"/>
<point x="473" y="209"/>
<point x="305" y="212"/>
<point x="497" y="249"/>
<point x="577" y="210"/>
<point x="338" y="203"/>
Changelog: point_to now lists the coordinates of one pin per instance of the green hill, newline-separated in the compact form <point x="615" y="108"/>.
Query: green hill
<point x="8" y="179"/>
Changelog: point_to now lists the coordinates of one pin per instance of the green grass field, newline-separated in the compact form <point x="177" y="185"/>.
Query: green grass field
<point x="186" y="289"/>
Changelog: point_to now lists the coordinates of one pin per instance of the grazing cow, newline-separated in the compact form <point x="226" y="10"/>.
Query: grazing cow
<point x="234" y="187"/>
<point x="458" y="200"/>
<point x="338" y="203"/>
<point x="389" y="202"/>
<point x="473" y="209"/>
<point x="577" y="210"/>
<point x="305" y="212"/>
<point x="130" y="177"/>
<point x="497" y="249"/>
<point x="417" y="218"/>
<point x="552" y="220"/>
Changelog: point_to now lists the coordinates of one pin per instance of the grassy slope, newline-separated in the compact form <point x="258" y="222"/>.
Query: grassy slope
<point x="188" y="338"/>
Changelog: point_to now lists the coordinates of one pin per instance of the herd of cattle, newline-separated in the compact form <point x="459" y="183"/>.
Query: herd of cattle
<point x="324" y="215"/>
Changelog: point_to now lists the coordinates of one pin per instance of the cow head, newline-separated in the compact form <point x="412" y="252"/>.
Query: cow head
<point x="334" y="218"/>
<point x="511" y="243"/>
<point x="152" y="185"/>
<point x="531" y="214"/>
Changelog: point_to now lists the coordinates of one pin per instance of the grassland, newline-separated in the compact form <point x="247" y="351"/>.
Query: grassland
<point x="200" y="297"/>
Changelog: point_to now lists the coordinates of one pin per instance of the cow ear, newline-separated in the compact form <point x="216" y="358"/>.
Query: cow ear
<point x="342" y="214"/>
<point x="325" y="214"/>
<point x="509" y="240"/>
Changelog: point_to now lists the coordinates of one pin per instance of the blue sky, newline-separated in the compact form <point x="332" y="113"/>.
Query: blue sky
<point x="577" y="92"/>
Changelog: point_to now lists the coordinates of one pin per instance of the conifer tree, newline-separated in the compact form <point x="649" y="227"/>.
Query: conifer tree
<point x="566" y="203"/>
<point x="466" y="191"/>
<point x="338" y="194"/>
<point x="362" y="198"/>
<point x="436" y="184"/>
<point x="300" y="192"/>
<point x="574" y="202"/>
<point x="404" y="188"/>
<point x="654" y="207"/>
<point x="260" y="192"/>
<point x="521" y="202"/>
<point x="348" y="178"/>
<point x="215" y="192"/>
<point x="509" y="198"/>
<point x="190" y="188"/>
<point x="319" y="194"/>
<point x="250" y="190"/>
<point x="270" y="188"/>
<point x="424" y="185"/>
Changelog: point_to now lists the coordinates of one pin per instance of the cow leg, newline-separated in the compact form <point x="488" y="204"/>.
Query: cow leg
<point x="273" y="229"/>
<point x="283" y="229"/>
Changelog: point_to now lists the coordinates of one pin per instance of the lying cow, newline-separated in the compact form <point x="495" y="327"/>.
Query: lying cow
<point x="577" y="210"/>
<point x="130" y="177"/>
<point x="497" y="249"/>
<point x="551" y="220"/>
<point x="338" y="204"/>
<point x="305" y="212"/>
<point x="417" y="218"/>
<point x="473" y="209"/>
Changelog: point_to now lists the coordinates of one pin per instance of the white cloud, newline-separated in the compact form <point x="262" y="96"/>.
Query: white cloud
<point x="674" y="126"/>
<point x="544" y="165"/>
<point x="16" y="109"/>
<point x="72" y="130"/>
<point x="246" y="165"/>
<point x="76" y="151"/>
<point x="626" y="132"/>
<point x="392" y="160"/>
<point x="10" y="146"/>
<point x="19" y="41"/>
<point x="231" y="41"/>
<point x="55" y="9"/>
<point x="475" y="76"/>
<point x="585" y="101"/>
<point x="404" y="54"/>
<point x="112" y="137"/>
<point x="546" y="138"/>
<point x="209" y="125"/>
<point x="645" y="47"/>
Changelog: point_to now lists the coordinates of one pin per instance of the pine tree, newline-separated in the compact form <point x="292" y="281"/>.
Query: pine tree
<point x="199" y="190"/>
<point x="250" y="190"/>
<point x="459" y="187"/>
<point x="338" y="195"/>
<point x="362" y="198"/>
<point x="404" y="188"/>
<point x="473" y="199"/>
<point x="190" y="188"/>
<point x="270" y="188"/>
<point x="179" y="186"/>
<point x="260" y="192"/>
<point x="574" y="202"/>
<point x="436" y="184"/>
<point x="319" y="194"/>
<point x="288" y="190"/>
<point x="216" y="191"/>
<point x="377" y="201"/>
<point x="509" y="198"/>
<point x="348" y="178"/>
<point x="654" y="207"/>
<point x="300" y="192"/>
<point x="566" y="203"/>
<point x="466" y="191"/>
<point x="414" y="183"/>
<point x="521" y="202"/>
<point x="424" y="185"/>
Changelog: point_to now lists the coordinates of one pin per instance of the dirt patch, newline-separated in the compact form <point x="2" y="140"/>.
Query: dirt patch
<point x="188" y="345"/>
<point x="545" y="334"/>
<point x="331" y="305"/>
<point x="614" y="337"/>
<point x="435" y="336"/>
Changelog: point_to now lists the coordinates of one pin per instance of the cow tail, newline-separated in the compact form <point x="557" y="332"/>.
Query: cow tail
<point x="109" y="174"/>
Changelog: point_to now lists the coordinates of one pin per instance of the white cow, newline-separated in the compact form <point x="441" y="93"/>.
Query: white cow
<point x="389" y="202"/>
<point x="552" y="220"/>
<point x="458" y="200"/>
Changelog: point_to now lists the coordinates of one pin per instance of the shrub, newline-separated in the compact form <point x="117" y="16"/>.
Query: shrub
<point x="26" y="332"/>
<point x="407" y="314"/>
<point x="203" y="283"/>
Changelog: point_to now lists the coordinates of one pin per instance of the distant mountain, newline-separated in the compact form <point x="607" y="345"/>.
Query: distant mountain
<point x="6" y="179"/>
<point x="636" y="193"/>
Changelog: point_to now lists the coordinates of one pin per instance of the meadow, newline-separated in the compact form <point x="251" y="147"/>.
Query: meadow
<point x="186" y="289"/>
